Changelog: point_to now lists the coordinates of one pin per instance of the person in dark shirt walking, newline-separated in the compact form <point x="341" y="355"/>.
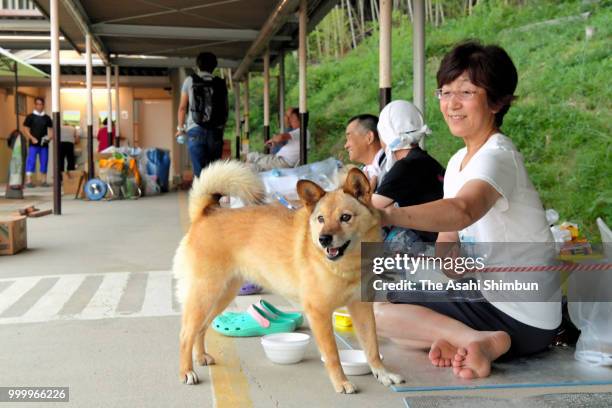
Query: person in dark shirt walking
<point x="38" y="130"/>
<point x="205" y="96"/>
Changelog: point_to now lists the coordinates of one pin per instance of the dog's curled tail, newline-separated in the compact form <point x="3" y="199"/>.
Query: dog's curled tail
<point x="224" y="178"/>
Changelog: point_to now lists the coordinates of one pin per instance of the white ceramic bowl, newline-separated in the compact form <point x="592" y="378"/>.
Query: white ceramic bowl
<point x="285" y="348"/>
<point x="354" y="362"/>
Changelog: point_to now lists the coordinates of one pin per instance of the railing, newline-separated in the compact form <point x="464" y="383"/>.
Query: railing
<point x="17" y="5"/>
<point x="19" y="9"/>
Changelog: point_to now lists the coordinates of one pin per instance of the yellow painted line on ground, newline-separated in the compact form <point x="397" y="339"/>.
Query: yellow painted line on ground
<point x="229" y="383"/>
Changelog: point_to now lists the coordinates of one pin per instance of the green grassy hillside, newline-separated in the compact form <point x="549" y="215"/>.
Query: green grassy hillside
<point x="561" y="121"/>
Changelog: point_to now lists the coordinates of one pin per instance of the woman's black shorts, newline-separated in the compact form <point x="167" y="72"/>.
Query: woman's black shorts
<point x="477" y="313"/>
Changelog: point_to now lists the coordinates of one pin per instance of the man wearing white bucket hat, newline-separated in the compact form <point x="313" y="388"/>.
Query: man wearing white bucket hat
<point x="413" y="176"/>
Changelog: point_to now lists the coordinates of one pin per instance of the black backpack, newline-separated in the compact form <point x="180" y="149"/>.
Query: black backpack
<point x="209" y="107"/>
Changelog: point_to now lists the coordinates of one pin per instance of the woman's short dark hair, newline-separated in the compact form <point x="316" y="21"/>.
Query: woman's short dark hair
<point x="489" y="67"/>
<point x="206" y="61"/>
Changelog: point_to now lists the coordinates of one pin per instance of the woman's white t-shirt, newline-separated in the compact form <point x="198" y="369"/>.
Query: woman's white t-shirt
<point x="517" y="218"/>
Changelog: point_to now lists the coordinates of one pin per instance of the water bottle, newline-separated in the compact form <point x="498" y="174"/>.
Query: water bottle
<point x="283" y="200"/>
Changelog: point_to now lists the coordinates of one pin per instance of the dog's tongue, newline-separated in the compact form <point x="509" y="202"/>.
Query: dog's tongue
<point x="332" y="251"/>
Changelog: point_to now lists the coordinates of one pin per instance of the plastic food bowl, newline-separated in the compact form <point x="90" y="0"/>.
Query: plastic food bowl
<point x="285" y="348"/>
<point x="342" y="318"/>
<point x="354" y="362"/>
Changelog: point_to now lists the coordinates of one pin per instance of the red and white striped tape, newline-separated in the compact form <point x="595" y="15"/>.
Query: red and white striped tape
<point x="569" y="267"/>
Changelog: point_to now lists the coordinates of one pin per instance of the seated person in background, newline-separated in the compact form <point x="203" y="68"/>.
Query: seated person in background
<point x="413" y="176"/>
<point x="287" y="128"/>
<point x="288" y="155"/>
<point x="363" y="146"/>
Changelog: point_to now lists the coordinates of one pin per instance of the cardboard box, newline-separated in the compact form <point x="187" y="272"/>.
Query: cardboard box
<point x="13" y="235"/>
<point x="70" y="181"/>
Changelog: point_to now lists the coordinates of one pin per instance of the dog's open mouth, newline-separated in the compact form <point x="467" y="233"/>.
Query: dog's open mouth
<point x="335" y="253"/>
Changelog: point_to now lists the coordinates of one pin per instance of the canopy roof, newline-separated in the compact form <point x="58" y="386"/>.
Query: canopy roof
<point x="237" y="31"/>
<point x="7" y="67"/>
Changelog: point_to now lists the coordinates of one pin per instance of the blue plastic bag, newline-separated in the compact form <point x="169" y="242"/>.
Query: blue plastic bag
<point x="158" y="164"/>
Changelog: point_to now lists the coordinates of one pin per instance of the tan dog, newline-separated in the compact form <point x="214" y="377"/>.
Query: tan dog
<point x="311" y="255"/>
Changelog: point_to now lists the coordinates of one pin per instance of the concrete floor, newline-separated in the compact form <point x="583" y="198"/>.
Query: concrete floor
<point x="113" y="347"/>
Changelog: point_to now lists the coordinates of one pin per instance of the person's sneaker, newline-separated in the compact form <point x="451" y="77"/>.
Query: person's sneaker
<point x="45" y="184"/>
<point x="29" y="185"/>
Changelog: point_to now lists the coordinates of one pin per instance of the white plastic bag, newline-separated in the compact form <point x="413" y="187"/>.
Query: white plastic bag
<point x="594" y="319"/>
<point x="284" y="181"/>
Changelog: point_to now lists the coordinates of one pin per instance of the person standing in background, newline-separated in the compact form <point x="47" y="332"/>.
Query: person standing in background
<point x="69" y="136"/>
<point x="205" y="96"/>
<point x="39" y="131"/>
<point x="103" y="140"/>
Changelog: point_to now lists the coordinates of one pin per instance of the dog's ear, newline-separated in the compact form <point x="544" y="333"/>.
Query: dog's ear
<point x="357" y="185"/>
<point x="310" y="193"/>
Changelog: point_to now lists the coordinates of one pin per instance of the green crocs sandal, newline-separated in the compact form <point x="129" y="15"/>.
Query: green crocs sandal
<point x="297" y="317"/>
<point x="253" y="322"/>
<point x="272" y="311"/>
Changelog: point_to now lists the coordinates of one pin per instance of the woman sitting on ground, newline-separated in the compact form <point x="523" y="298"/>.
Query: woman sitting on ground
<point x="412" y="175"/>
<point x="488" y="198"/>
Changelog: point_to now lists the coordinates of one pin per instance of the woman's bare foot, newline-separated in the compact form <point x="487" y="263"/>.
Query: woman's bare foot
<point x="474" y="360"/>
<point x="441" y="353"/>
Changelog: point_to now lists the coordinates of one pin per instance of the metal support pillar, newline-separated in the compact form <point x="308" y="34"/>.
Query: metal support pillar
<point x="386" y="8"/>
<point x="303" y="21"/>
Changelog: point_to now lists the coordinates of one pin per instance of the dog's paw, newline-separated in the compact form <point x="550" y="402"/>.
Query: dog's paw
<point x="205" y="359"/>
<point x="346" y="387"/>
<point x="386" y="378"/>
<point x="190" y="378"/>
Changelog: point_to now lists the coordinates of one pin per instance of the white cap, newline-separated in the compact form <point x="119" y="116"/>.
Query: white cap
<point x="401" y="125"/>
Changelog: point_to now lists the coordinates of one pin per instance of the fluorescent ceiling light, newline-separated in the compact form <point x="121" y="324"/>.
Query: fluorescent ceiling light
<point x="28" y="37"/>
<point x="84" y="90"/>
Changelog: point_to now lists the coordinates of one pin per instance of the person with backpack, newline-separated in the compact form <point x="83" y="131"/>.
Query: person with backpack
<point x="206" y="97"/>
